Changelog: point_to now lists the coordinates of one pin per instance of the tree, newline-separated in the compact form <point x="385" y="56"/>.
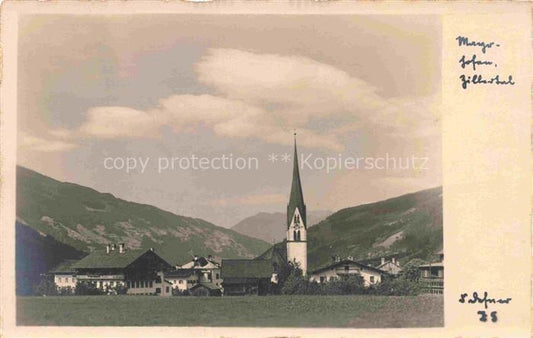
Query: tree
<point x="46" y="287"/>
<point x="410" y="270"/>
<point x="294" y="283"/>
<point x="398" y="287"/>
<point x="87" y="288"/>
<point x="65" y="291"/>
<point x="178" y="292"/>
<point x="284" y="270"/>
<point x="349" y="285"/>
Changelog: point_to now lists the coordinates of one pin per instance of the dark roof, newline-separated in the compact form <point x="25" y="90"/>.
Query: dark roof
<point x="100" y="259"/>
<point x="179" y="273"/>
<point x="296" y="199"/>
<point x="209" y="286"/>
<point x="246" y="268"/>
<point x="348" y="261"/>
<point x="64" y="267"/>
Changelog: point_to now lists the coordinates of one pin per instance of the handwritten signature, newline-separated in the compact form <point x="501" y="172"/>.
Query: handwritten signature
<point x="476" y="299"/>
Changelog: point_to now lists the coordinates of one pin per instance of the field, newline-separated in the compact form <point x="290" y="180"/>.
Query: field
<point x="270" y="311"/>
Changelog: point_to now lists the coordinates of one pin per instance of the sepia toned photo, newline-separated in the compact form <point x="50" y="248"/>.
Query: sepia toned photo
<point x="182" y="168"/>
<point x="235" y="169"/>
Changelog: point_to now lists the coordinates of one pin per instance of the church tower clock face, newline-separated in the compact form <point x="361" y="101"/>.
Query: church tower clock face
<point x="296" y="220"/>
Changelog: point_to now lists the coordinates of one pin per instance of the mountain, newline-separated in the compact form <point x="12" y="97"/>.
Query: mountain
<point x="36" y="253"/>
<point x="84" y="219"/>
<point x="408" y="226"/>
<point x="271" y="227"/>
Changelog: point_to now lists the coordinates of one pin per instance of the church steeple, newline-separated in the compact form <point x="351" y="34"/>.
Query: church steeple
<point x="296" y="219"/>
<point x="296" y="199"/>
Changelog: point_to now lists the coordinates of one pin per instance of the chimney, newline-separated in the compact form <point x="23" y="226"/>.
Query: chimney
<point x="107" y="248"/>
<point x="350" y="258"/>
<point x="152" y="249"/>
<point x="113" y="246"/>
<point x="121" y="248"/>
<point x="382" y="260"/>
<point x="393" y="260"/>
<point x="337" y="258"/>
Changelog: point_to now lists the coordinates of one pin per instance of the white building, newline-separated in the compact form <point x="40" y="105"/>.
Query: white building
<point x="392" y="266"/>
<point x="64" y="275"/>
<point x="182" y="279"/>
<point x="345" y="268"/>
<point x="207" y="269"/>
<point x="141" y="271"/>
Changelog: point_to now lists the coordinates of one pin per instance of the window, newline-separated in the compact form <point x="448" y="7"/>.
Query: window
<point x="371" y="279"/>
<point x="217" y="276"/>
<point x="59" y="279"/>
<point x="166" y="289"/>
<point x="346" y="268"/>
<point x="151" y="284"/>
<point x="297" y="219"/>
<point x="67" y="279"/>
<point x="322" y="279"/>
<point x="180" y="281"/>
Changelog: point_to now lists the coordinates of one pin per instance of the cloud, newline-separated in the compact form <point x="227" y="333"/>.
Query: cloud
<point x="304" y="89"/>
<point x="257" y="199"/>
<point x="120" y="122"/>
<point x="40" y="144"/>
<point x="265" y="97"/>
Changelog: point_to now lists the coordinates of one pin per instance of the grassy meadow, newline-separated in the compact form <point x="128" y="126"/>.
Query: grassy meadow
<point x="271" y="311"/>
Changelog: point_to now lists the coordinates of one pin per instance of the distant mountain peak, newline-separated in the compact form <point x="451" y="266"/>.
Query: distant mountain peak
<point x="271" y="227"/>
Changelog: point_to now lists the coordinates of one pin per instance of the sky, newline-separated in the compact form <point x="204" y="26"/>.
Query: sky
<point x="98" y="91"/>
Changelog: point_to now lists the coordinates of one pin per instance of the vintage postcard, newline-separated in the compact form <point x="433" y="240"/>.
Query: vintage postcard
<point x="266" y="169"/>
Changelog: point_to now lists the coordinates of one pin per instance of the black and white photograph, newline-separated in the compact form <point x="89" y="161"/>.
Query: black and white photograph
<point x="263" y="169"/>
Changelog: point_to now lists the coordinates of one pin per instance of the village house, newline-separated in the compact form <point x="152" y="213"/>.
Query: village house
<point x="200" y="271"/>
<point x="345" y="268"/>
<point x="207" y="269"/>
<point x="64" y="275"/>
<point x="392" y="266"/>
<point x="432" y="275"/>
<point x="246" y="276"/>
<point x="182" y="279"/>
<point x="141" y="271"/>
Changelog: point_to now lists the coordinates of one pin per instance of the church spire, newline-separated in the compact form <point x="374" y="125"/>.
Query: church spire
<point x="297" y="198"/>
